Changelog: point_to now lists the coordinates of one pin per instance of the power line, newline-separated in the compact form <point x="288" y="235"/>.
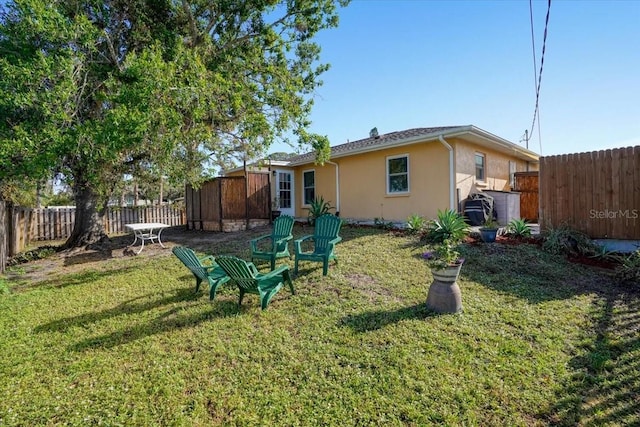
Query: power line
<point x="533" y="47"/>
<point x="539" y="75"/>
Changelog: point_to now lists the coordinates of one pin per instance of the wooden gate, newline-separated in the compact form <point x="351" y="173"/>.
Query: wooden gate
<point x="229" y="203"/>
<point x="526" y="183"/>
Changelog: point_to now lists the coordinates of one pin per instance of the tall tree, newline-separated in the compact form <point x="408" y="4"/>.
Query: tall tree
<point x="94" y="90"/>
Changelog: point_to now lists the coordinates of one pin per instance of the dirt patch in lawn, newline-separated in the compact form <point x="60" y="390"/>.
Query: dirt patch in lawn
<point x="594" y="262"/>
<point x="369" y="287"/>
<point x="92" y="257"/>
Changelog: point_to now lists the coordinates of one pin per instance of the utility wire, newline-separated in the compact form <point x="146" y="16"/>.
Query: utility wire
<point x="533" y="48"/>
<point x="539" y="75"/>
<point x="526" y="135"/>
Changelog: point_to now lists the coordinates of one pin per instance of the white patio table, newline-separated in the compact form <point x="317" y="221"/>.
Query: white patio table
<point x="146" y="231"/>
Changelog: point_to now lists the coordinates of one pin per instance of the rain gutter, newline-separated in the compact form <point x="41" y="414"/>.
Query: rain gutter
<point x="452" y="181"/>
<point x="337" y="185"/>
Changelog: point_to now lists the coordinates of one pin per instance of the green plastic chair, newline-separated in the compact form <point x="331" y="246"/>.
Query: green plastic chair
<point x="276" y="245"/>
<point x="250" y="281"/>
<point x="204" y="268"/>
<point x="325" y="236"/>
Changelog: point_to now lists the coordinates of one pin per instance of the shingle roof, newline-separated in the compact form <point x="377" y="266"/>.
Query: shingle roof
<point x="381" y="140"/>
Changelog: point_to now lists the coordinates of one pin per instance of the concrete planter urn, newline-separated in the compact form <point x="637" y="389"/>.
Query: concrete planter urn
<point x="444" y="293"/>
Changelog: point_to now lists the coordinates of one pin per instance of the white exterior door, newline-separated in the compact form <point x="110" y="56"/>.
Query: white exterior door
<point x="285" y="192"/>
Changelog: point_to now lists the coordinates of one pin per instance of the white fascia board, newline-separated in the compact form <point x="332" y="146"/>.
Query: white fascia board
<point x="501" y="143"/>
<point x="266" y="163"/>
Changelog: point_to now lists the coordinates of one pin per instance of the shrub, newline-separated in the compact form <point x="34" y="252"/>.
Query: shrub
<point x="35" y="254"/>
<point x="382" y="224"/>
<point x="444" y="255"/>
<point x="609" y="255"/>
<point x="448" y="225"/>
<point x="518" y="228"/>
<point x="317" y="208"/>
<point x="629" y="270"/>
<point x="565" y="240"/>
<point x="416" y="224"/>
<point x="490" y="224"/>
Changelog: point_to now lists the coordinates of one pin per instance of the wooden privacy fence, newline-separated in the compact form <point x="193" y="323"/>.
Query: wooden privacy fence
<point x="597" y="193"/>
<point x="229" y="203"/>
<point x="24" y="225"/>
<point x="116" y="218"/>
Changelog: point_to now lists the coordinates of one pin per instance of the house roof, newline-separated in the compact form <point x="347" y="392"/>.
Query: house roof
<point x="412" y="136"/>
<point x="417" y="135"/>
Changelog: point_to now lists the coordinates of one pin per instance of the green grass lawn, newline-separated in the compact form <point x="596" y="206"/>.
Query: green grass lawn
<point x="126" y="342"/>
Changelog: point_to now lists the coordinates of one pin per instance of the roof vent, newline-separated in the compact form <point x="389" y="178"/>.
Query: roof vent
<point x="373" y="133"/>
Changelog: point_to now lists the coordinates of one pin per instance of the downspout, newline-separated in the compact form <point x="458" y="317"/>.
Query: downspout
<point x="452" y="181"/>
<point x="337" y="185"/>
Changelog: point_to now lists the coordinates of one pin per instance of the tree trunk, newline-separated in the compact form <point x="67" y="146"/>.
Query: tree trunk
<point x="4" y="254"/>
<point x="89" y="222"/>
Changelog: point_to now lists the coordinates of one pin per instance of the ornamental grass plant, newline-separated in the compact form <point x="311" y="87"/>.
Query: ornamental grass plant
<point x="444" y="255"/>
<point x="449" y="225"/>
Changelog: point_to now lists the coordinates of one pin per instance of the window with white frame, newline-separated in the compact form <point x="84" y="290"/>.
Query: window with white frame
<point x="480" y="167"/>
<point x="309" y="186"/>
<point x="398" y="174"/>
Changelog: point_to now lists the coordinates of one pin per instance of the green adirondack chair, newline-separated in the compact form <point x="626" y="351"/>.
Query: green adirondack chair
<point x="250" y="281"/>
<point x="325" y="236"/>
<point x="204" y="268"/>
<point x="275" y="245"/>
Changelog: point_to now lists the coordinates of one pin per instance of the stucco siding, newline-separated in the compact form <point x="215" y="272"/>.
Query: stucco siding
<point x="363" y="183"/>
<point x="497" y="175"/>
<point x="325" y="186"/>
<point x="395" y="175"/>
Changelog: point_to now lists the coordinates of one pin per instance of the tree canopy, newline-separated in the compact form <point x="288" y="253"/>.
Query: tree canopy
<point x="93" y="90"/>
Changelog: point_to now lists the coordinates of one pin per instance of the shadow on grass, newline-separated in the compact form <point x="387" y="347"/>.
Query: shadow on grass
<point x="605" y="373"/>
<point x="166" y="322"/>
<point x="604" y="387"/>
<point x="99" y="251"/>
<point x="128" y="307"/>
<point x="85" y="257"/>
<point x="374" y="320"/>
<point x="528" y="273"/>
<point x="308" y="268"/>
<point x="86" y="278"/>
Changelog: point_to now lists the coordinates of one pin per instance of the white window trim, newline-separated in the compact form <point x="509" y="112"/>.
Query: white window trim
<point x="304" y="188"/>
<point x="386" y="177"/>
<point x="484" y="167"/>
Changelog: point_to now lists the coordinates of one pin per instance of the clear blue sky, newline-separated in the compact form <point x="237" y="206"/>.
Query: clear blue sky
<point x="399" y="64"/>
